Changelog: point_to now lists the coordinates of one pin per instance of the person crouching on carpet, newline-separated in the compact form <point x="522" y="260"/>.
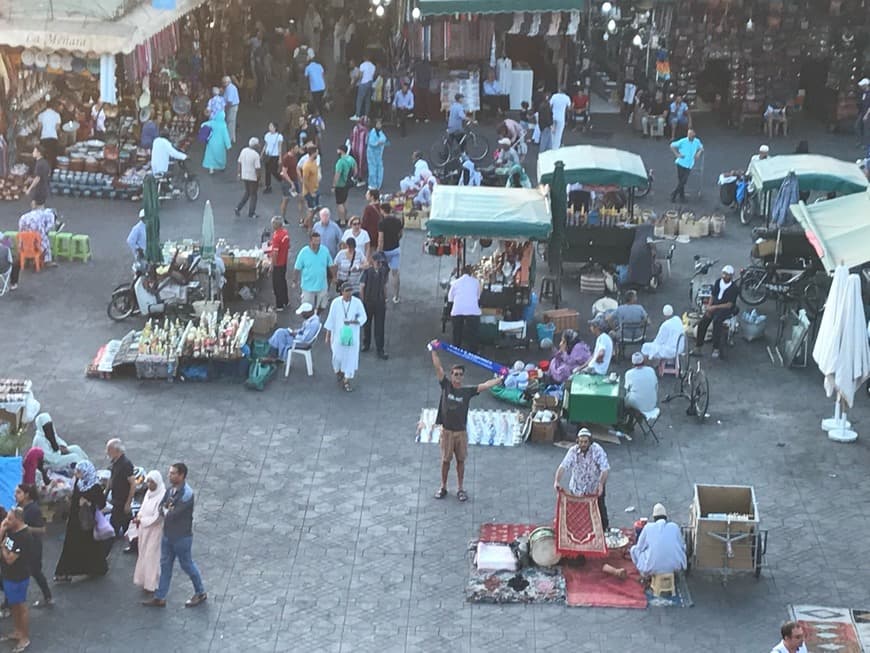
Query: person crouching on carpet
<point x="588" y="467"/>
<point x="660" y="549"/>
<point x="453" y="418"/>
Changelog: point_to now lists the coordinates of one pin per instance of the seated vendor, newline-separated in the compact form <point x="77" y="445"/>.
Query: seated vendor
<point x="506" y="156"/>
<point x="59" y="456"/>
<point x="629" y="318"/>
<point x="573" y="354"/>
<point x="641" y="391"/>
<point x="34" y="461"/>
<point x="517" y="178"/>
<point x="285" y="339"/>
<point x="660" y="549"/>
<point x="493" y="99"/>
<point x="468" y="174"/>
<point x="603" y="350"/>
<point x="580" y="107"/>
<point x="413" y="182"/>
<point x="423" y="199"/>
<point x="668" y="339"/>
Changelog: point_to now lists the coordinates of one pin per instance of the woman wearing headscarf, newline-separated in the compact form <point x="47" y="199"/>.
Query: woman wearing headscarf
<point x="34" y="461"/>
<point x="59" y="456"/>
<point x="358" y="147"/>
<point x="215" y="156"/>
<point x="149" y="522"/>
<point x="573" y="354"/>
<point x="375" y="155"/>
<point x="82" y="555"/>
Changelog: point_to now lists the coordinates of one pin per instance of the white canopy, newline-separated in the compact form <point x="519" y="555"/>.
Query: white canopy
<point x="838" y="229"/>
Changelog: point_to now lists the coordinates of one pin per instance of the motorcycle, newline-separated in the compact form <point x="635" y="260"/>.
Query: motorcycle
<point x="156" y="290"/>
<point x="177" y="181"/>
<point x="734" y="193"/>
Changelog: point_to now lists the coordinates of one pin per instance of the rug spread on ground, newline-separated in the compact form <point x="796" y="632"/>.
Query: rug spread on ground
<point x="833" y="630"/>
<point x="578" y="527"/>
<point x="488" y="428"/>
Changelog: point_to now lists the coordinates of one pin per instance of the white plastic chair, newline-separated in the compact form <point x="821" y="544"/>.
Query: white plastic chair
<point x="305" y="352"/>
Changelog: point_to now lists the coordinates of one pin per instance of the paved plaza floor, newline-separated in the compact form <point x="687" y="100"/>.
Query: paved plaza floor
<point x="315" y="527"/>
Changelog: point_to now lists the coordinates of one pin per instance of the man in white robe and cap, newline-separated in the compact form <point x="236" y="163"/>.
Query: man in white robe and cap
<point x="660" y="549"/>
<point x="343" y="323"/>
<point x="668" y="338"/>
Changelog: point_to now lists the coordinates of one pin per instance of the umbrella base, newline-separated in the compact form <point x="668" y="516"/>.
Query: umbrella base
<point x="830" y="423"/>
<point x="842" y="435"/>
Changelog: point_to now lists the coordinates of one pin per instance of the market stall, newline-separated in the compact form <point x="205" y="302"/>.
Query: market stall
<point x="515" y="218"/>
<point x="815" y="173"/>
<point x="838" y="229"/>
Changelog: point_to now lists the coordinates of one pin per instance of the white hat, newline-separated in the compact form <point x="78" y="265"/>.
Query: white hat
<point x="584" y="433"/>
<point x="764" y="148"/>
<point x="668" y="310"/>
<point x="506" y="142"/>
<point x="305" y="307"/>
<point x="637" y="358"/>
<point x="728" y="269"/>
<point x="141" y="213"/>
<point x="659" y="511"/>
<point x="864" y="82"/>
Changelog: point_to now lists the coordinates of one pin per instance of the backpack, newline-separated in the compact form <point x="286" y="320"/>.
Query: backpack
<point x="204" y="134"/>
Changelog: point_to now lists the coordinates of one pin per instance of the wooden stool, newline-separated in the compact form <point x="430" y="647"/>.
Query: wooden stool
<point x="81" y="248"/>
<point x="661" y="583"/>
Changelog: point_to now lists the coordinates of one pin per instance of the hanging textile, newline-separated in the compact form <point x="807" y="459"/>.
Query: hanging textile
<point x="536" y="25"/>
<point x="555" y="23"/>
<point x="504" y="69"/>
<point x="573" y="23"/>
<point x="108" y="82"/>
<point x="519" y="18"/>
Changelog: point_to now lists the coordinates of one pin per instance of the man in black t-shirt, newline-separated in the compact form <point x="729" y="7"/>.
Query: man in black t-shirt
<point x="545" y="123"/>
<point x="16" y="546"/>
<point x="452" y="417"/>
<point x="122" y="484"/>
<point x="390" y="232"/>
<point x="721" y="306"/>
<point x="39" y="187"/>
<point x="27" y="497"/>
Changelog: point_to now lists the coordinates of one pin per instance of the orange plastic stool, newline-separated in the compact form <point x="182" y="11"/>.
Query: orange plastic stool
<point x="30" y="248"/>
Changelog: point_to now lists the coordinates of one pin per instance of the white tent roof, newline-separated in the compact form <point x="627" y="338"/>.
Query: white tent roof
<point x="838" y="229"/>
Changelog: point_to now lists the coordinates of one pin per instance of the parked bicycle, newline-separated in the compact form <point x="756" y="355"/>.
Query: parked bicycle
<point x="694" y="385"/>
<point x="451" y="146"/>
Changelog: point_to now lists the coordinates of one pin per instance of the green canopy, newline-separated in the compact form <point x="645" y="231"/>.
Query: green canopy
<point x="484" y="212"/>
<point x="838" y="229"/>
<point x="446" y="7"/>
<point x="151" y="205"/>
<point x="594" y="166"/>
<point x="814" y="172"/>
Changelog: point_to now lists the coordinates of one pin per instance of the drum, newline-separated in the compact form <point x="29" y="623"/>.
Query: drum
<point x="542" y="547"/>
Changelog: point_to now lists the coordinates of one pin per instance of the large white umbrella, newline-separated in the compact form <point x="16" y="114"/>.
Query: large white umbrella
<point x="842" y="351"/>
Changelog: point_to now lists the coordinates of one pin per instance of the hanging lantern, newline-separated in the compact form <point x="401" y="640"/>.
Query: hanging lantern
<point x="606" y="8"/>
<point x="611" y="26"/>
<point x="637" y="41"/>
<point x="379" y="11"/>
<point x="415" y="13"/>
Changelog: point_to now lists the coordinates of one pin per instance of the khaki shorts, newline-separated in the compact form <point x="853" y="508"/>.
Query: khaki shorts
<point x="319" y="300"/>
<point x="453" y="443"/>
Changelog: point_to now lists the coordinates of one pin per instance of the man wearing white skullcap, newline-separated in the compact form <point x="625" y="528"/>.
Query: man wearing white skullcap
<point x="721" y="306"/>
<point x="641" y="391"/>
<point x="670" y="339"/>
<point x="761" y="155"/>
<point x="660" y="549"/>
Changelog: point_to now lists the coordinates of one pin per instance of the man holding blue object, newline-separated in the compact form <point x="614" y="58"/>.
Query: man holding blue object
<point x="687" y="150"/>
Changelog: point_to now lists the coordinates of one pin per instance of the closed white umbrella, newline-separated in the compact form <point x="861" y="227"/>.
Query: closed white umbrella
<point x="827" y="346"/>
<point x="853" y="366"/>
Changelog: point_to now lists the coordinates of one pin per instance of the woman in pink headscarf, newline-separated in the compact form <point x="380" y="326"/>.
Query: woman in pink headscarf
<point x="359" y="139"/>
<point x="34" y="460"/>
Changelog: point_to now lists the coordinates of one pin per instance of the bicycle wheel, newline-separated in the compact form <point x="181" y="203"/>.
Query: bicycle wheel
<point x="643" y="191"/>
<point x="441" y="153"/>
<point x="476" y="146"/>
<point x="813" y="298"/>
<point x="752" y="290"/>
<point x="699" y="393"/>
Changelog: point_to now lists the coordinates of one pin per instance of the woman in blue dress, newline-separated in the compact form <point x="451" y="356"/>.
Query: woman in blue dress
<point x="375" y="155"/>
<point x="215" y="157"/>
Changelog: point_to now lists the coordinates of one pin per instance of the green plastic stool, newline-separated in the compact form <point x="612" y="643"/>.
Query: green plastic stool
<point x="81" y="248"/>
<point x="63" y="247"/>
<point x="52" y="240"/>
<point x="13" y="235"/>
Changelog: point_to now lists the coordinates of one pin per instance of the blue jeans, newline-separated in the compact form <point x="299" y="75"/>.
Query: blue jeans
<point x="363" y="99"/>
<point x="169" y="551"/>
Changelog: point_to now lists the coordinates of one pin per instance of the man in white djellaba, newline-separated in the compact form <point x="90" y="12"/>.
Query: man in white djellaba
<point x="346" y="317"/>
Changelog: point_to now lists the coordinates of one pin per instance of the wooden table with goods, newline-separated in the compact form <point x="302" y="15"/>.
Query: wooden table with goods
<point x="593" y="399"/>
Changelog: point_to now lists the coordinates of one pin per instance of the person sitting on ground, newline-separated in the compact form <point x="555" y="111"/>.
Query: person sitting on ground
<point x="630" y="313"/>
<point x="414" y="182"/>
<point x="660" y="548"/>
<point x="285" y="338"/>
<point x="603" y="350"/>
<point x="517" y="178"/>
<point x="423" y="199"/>
<point x="641" y="391"/>
<point x="505" y="157"/>
<point x="573" y="354"/>
<point x="670" y="339"/>
<point x="721" y="306"/>
<point x="59" y="456"/>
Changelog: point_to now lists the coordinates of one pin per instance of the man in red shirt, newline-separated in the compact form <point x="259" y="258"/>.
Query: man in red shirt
<point x="580" y="107"/>
<point x="279" y="248"/>
<point x="371" y="217"/>
<point x="290" y="186"/>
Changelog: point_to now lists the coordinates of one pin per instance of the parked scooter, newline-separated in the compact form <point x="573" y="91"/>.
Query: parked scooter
<point x="179" y="180"/>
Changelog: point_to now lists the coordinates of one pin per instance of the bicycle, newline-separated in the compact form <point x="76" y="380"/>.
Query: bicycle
<point x="693" y="386"/>
<point x="451" y="146"/>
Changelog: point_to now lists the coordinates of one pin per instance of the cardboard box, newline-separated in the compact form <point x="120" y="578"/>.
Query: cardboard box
<point x="264" y="322"/>
<point x="544" y="432"/>
<point x="709" y="518"/>
<point x="563" y="318"/>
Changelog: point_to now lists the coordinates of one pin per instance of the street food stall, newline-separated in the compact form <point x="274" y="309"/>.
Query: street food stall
<point x="814" y="172"/>
<point x="502" y="223"/>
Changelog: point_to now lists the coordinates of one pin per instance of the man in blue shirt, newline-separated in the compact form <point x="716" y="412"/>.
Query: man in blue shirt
<point x="493" y="99"/>
<point x="404" y="103"/>
<point x="316" y="84"/>
<point x="231" y="99"/>
<point x="456" y="118"/>
<point x="313" y="264"/>
<point x="138" y="237"/>
<point x="687" y="150"/>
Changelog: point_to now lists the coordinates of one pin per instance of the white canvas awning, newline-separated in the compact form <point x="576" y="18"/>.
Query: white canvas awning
<point x="85" y="30"/>
<point x="838" y="229"/>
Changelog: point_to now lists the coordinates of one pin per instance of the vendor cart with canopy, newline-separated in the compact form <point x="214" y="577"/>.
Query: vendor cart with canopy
<point x="814" y="172"/>
<point x="504" y="221"/>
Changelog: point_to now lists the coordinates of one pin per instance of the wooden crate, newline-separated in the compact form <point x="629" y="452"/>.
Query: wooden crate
<point x="563" y="318"/>
<point x="710" y="507"/>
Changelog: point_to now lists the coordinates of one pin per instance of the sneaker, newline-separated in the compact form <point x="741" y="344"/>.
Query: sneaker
<point x="395" y="300"/>
<point x="195" y="600"/>
<point x="716" y="354"/>
<point x="13" y="286"/>
<point x="354" y="117"/>
<point x="280" y="309"/>
<point x="237" y="212"/>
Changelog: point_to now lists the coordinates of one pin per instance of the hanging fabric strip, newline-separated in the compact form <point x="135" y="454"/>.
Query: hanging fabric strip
<point x="555" y="23"/>
<point x="573" y="23"/>
<point x="536" y="24"/>
<point x="519" y="17"/>
<point x="107" y="79"/>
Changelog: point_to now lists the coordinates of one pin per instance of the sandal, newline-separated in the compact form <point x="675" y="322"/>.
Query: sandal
<point x="8" y="637"/>
<point x="347" y="387"/>
<point x="23" y="646"/>
<point x="462" y="495"/>
<point x="441" y="493"/>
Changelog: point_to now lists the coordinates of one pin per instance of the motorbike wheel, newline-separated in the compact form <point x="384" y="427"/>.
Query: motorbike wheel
<point x="752" y="290"/>
<point x="122" y="304"/>
<point x="191" y="189"/>
<point x="744" y="212"/>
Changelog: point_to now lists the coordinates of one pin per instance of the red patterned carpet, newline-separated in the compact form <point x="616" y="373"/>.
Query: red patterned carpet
<point x="578" y="527"/>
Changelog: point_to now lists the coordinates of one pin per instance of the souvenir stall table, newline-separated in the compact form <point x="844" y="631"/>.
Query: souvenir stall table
<point x="245" y="266"/>
<point x="18" y="407"/>
<point x="516" y="218"/>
